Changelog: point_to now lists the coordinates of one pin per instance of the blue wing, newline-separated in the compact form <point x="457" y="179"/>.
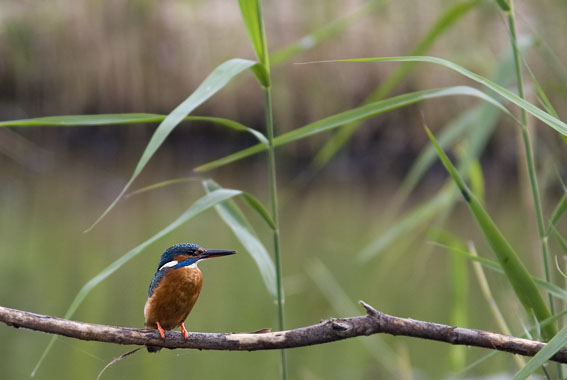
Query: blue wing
<point x="156" y="280"/>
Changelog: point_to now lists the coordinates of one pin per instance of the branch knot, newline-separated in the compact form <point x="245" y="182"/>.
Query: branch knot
<point x="340" y="325"/>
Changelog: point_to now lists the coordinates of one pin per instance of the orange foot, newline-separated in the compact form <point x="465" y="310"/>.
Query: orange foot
<point x="161" y="332"/>
<point x="185" y="333"/>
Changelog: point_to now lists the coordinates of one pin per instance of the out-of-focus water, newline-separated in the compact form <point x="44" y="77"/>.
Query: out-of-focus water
<point x="45" y="259"/>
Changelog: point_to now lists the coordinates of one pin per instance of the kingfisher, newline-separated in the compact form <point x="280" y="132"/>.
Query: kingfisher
<point x="176" y="287"/>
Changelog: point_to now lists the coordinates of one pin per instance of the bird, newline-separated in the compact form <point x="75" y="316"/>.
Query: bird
<point x="175" y="287"/>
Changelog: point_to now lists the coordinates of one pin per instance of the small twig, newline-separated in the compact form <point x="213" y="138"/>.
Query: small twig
<point x="116" y="360"/>
<point x="331" y="330"/>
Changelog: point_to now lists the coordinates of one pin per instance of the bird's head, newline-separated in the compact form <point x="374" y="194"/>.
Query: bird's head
<point x="187" y="254"/>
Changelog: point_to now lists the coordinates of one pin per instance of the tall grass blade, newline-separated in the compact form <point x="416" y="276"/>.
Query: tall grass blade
<point x="207" y="201"/>
<point x="504" y="5"/>
<point x="561" y="240"/>
<point x="161" y="184"/>
<point x="244" y="232"/>
<point x="355" y="114"/>
<point x="558" y="342"/>
<point x="515" y="271"/>
<point x="487" y="294"/>
<point x="559" y="210"/>
<point x="546" y="118"/>
<point x="459" y="297"/>
<point x="477" y="180"/>
<point x="443" y="23"/>
<point x="124" y="118"/>
<point x="542" y="96"/>
<point x="478" y="122"/>
<point x="483" y="115"/>
<point x="251" y="11"/>
<point x="492" y="304"/>
<point x="531" y="330"/>
<point x="216" y="80"/>
<point x="548" y="287"/>
<point x="250" y="200"/>
<point x="252" y="17"/>
<point x="255" y="204"/>
<point x="322" y="34"/>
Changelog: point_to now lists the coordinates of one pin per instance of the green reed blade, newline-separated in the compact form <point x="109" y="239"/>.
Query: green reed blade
<point x="515" y="271"/>
<point x="531" y="330"/>
<point x="231" y="214"/>
<point x="546" y="286"/>
<point x="559" y="210"/>
<point x="479" y="122"/>
<point x="124" y="118"/>
<point x="322" y="34"/>
<point x="358" y="113"/>
<point x="558" y="342"/>
<point x="546" y="118"/>
<point x="443" y="24"/>
<point x="251" y="11"/>
<point x="252" y="17"/>
<point x="257" y="206"/>
<point x="216" y="80"/>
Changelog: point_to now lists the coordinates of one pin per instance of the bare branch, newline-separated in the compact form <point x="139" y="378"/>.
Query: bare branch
<point x="331" y="330"/>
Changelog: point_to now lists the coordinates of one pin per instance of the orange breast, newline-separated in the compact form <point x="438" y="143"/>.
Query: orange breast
<point x="173" y="299"/>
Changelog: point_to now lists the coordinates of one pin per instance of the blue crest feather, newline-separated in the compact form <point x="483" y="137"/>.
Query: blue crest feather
<point x="178" y="249"/>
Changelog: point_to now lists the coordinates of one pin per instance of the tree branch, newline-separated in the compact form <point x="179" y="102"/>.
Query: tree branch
<point x="331" y="330"/>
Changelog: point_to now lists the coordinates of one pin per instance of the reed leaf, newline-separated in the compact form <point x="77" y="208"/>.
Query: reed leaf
<point x="443" y="24"/>
<point x="231" y="214"/>
<point x="216" y="80"/>
<point x="478" y="122"/>
<point x="251" y="11"/>
<point x="548" y="287"/>
<point x="124" y="118"/>
<point x="322" y="34"/>
<point x="546" y="118"/>
<point x="558" y="342"/>
<point x="358" y="113"/>
<point x="516" y="273"/>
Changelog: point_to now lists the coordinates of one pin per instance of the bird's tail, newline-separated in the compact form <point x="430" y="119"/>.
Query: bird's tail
<point x="153" y="348"/>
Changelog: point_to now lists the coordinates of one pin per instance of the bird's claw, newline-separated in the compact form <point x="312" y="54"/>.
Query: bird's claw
<point x="161" y="331"/>
<point x="184" y="331"/>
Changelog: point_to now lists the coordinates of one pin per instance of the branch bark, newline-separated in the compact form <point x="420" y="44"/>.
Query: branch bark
<point x="374" y="322"/>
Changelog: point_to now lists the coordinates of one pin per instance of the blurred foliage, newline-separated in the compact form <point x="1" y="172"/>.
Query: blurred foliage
<point x="73" y="57"/>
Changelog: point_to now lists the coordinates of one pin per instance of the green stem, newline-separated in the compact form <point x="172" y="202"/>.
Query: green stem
<point x="529" y="153"/>
<point x="276" y="234"/>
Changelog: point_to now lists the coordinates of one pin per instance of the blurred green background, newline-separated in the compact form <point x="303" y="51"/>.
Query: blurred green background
<point x="76" y="57"/>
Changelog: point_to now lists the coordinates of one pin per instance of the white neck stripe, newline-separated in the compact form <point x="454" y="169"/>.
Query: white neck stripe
<point x="169" y="264"/>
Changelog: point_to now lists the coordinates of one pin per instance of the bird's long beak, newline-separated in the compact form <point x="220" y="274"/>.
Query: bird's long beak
<point x="209" y="253"/>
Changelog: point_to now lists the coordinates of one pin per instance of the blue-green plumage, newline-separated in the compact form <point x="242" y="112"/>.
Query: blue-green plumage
<point x="176" y="250"/>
